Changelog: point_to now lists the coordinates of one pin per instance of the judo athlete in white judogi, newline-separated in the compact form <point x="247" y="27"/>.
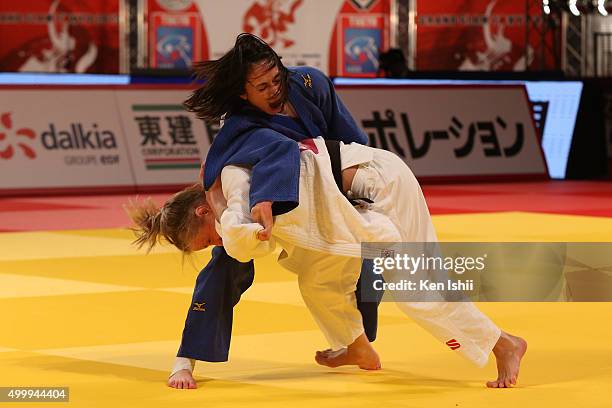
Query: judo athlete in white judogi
<point x="321" y="242"/>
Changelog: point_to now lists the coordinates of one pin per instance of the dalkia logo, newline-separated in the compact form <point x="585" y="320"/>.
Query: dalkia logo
<point x="6" y="130"/>
<point x="78" y="137"/>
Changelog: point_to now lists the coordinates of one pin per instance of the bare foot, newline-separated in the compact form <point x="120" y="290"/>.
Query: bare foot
<point x="182" y="379"/>
<point x="323" y="356"/>
<point x="509" y="350"/>
<point x="328" y="352"/>
<point x="359" y="353"/>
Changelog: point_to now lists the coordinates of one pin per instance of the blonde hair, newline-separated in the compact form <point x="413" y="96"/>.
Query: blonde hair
<point x="176" y="220"/>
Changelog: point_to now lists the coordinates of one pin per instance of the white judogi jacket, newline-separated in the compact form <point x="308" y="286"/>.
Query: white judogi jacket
<point x="321" y="241"/>
<point x="324" y="220"/>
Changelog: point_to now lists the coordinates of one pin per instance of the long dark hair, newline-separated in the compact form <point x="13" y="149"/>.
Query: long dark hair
<point x="225" y="78"/>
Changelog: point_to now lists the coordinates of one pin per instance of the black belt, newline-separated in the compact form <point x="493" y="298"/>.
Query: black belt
<point x="333" y="149"/>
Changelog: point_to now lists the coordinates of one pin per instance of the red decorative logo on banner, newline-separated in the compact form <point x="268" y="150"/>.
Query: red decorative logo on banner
<point x="484" y="35"/>
<point x="9" y="151"/>
<point x="60" y="36"/>
<point x="270" y="20"/>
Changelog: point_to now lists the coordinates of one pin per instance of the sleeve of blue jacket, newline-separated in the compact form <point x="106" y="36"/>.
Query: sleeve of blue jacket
<point x="208" y="327"/>
<point x="276" y="170"/>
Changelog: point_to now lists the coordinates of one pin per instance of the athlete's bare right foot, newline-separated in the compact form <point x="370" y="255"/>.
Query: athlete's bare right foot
<point x="182" y="379"/>
<point x="509" y="350"/>
<point x="359" y="353"/>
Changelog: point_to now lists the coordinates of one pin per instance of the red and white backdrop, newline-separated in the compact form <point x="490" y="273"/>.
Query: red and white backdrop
<point x="485" y="35"/>
<point x="59" y="36"/>
<point x="340" y="37"/>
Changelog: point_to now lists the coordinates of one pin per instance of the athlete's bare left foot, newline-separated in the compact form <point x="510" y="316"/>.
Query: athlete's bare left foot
<point x="322" y="357"/>
<point x="182" y="379"/>
<point x="327" y="352"/>
<point x="509" y="350"/>
<point x="359" y="353"/>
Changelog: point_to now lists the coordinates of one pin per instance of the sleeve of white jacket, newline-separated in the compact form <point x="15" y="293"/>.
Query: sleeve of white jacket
<point x="238" y="230"/>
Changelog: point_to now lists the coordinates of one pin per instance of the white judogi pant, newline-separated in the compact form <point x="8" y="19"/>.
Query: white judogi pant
<point x="321" y="243"/>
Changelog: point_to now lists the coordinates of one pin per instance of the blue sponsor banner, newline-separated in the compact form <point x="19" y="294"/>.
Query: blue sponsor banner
<point x="361" y="49"/>
<point x="174" y="47"/>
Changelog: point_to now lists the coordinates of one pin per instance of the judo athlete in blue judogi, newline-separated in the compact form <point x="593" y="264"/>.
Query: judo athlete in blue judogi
<point x="267" y="109"/>
<point x="259" y="138"/>
<point x="326" y="254"/>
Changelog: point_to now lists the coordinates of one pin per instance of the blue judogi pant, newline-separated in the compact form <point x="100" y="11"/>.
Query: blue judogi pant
<point x="208" y="327"/>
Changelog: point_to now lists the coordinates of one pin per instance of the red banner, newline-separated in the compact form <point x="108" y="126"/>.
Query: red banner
<point x="176" y="34"/>
<point x="361" y="33"/>
<point x="484" y="35"/>
<point x="59" y="36"/>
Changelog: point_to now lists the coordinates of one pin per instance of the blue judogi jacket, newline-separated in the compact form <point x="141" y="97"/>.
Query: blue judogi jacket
<point x="267" y="144"/>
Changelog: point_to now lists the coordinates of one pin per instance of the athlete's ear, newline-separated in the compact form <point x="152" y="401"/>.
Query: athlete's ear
<point x="202" y="210"/>
<point x="244" y="96"/>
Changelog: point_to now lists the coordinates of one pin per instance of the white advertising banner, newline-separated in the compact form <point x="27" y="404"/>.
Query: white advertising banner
<point x="451" y="132"/>
<point x="298" y="30"/>
<point x="87" y="139"/>
<point x="166" y="143"/>
<point x="61" y="138"/>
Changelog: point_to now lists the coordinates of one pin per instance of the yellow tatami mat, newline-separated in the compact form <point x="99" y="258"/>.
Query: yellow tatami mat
<point x="85" y="310"/>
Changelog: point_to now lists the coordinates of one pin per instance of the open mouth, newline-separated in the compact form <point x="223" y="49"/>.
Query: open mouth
<point x="275" y="104"/>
